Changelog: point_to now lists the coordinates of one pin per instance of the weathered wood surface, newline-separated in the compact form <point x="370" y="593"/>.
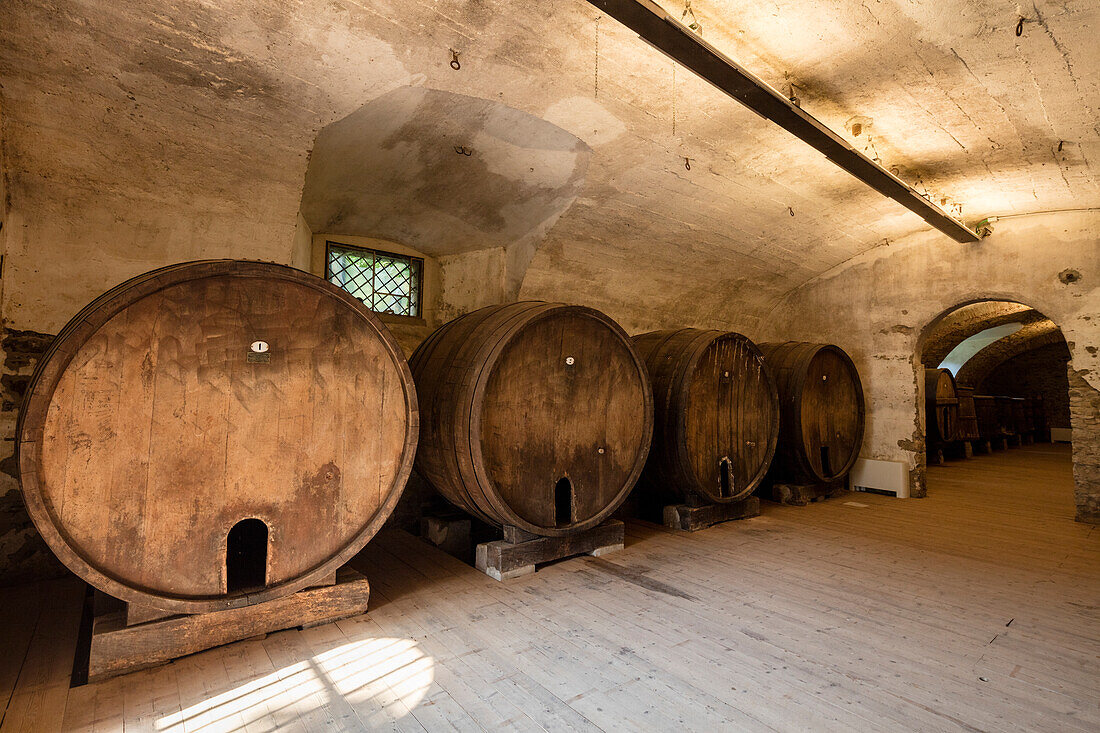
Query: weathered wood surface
<point x="693" y="517"/>
<point x="989" y="426"/>
<point x="503" y="560"/>
<point x="968" y="417"/>
<point x="941" y="402"/>
<point x="117" y="648"/>
<point x="821" y="411"/>
<point x="153" y="427"/>
<point x="537" y="415"/>
<point x="1023" y="418"/>
<point x="914" y="599"/>
<point x="39" y="628"/>
<point x="1006" y="419"/>
<point x="716" y="415"/>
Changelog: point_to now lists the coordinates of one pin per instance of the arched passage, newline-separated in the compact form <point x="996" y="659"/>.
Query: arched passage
<point x="1011" y="364"/>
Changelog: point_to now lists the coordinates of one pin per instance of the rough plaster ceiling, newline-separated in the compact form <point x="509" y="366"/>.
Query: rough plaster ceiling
<point x="1032" y="336"/>
<point x="954" y="327"/>
<point x="1032" y="330"/>
<point x="972" y="345"/>
<point x="441" y="172"/>
<point x="165" y="112"/>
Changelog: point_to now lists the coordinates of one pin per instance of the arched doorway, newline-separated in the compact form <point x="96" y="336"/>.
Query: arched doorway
<point x="1011" y="365"/>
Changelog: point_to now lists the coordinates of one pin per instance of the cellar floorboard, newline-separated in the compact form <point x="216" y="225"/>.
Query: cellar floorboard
<point x="977" y="608"/>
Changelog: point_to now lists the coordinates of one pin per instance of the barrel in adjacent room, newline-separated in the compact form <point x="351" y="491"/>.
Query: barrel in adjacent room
<point x="941" y="402"/>
<point x="821" y="411"/>
<point x="534" y="415"/>
<point x="716" y="414"/>
<point x="968" y="416"/>
<point x="216" y="434"/>
<point x="1006" y="417"/>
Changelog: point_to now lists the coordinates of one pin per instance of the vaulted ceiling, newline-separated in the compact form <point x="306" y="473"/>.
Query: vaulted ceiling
<point x="187" y="121"/>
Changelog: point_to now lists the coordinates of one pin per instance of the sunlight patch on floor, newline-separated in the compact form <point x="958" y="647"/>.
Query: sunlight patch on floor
<point x="390" y="672"/>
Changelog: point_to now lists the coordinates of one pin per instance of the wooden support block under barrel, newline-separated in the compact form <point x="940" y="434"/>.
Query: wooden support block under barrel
<point x="695" y="517"/>
<point x="803" y="494"/>
<point x="504" y="559"/>
<point x="118" y="648"/>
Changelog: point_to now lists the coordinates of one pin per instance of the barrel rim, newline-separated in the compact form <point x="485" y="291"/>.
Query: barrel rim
<point x="51" y="367"/>
<point x="488" y="365"/>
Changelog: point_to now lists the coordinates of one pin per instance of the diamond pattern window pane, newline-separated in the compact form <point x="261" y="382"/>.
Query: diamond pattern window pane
<point x="387" y="283"/>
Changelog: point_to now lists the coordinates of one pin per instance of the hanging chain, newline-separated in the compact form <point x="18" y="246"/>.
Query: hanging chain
<point x="597" y="72"/>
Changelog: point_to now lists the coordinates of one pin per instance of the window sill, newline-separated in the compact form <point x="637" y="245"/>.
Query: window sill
<point x="395" y="320"/>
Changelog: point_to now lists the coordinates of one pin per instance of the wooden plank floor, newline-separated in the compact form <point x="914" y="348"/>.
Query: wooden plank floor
<point x="977" y="608"/>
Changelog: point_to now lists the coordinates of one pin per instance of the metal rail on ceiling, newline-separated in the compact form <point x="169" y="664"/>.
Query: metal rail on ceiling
<point x="654" y="26"/>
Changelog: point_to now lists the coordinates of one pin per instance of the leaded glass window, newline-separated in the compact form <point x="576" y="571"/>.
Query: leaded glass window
<point x="386" y="282"/>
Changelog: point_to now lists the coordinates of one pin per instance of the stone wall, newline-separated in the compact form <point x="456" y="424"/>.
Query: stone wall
<point x="24" y="556"/>
<point x="1041" y="371"/>
<point x="959" y="325"/>
<point x="1084" y="407"/>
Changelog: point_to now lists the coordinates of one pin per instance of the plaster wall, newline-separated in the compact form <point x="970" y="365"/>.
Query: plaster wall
<point x="878" y="305"/>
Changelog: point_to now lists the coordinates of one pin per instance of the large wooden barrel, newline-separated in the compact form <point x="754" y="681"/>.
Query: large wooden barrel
<point x="968" y="416"/>
<point x="535" y="415"/>
<point x="989" y="426"/>
<point x="216" y="434"/>
<point x="1021" y="416"/>
<point x="716" y="413"/>
<point x="1006" y="418"/>
<point x="941" y="401"/>
<point x="1039" y="418"/>
<point x="821" y="411"/>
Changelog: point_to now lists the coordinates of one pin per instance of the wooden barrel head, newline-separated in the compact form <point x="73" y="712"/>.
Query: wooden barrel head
<point x="831" y="414"/>
<point x="209" y="417"/>
<point x="1006" y="420"/>
<point x="537" y="415"/>
<point x="716" y="415"/>
<point x="985" y="408"/>
<point x="732" y="418"/>
<point x="822" y="408"/>
<point x="942" y="402"/>
<point x="563" y="402"/>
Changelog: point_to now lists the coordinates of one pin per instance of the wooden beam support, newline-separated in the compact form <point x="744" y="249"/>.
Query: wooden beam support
<point x="654" y="26"/>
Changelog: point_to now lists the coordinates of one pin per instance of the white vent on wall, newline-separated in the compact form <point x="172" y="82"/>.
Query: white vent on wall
<point x="887" y="476"/>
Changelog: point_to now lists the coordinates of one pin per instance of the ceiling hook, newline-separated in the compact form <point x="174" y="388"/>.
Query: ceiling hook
<point x="687" y="163"/>
<point x="1020" y="28"/>
<point x="454" y="60"/>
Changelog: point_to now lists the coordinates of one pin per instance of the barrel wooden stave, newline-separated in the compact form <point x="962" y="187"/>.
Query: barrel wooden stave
<point x="521" y="396"/>
<point x="821" y="407"/>
<point x="1006" y="420"/>
<point x="941" y="401"/>
<point x="148" y="432"/>
<point x="985" y="407"/>
<point x="714" y="401"/>
<point x="968" y="416"/>
<point x="1021" y="416"/>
